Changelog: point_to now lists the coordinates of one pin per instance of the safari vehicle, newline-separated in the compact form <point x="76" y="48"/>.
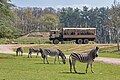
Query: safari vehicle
<point x="80" y="35"/>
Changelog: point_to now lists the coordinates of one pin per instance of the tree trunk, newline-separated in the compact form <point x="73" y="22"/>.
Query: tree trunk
<point x="118" y="41"/>
<point x="118" y="45"/>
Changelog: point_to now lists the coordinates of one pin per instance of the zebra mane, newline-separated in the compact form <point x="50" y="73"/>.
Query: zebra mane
<point x="61" y="53"/>
<point x="41" y="50"/>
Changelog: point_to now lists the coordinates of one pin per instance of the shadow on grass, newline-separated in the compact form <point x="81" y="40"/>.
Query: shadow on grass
<point x="48" y="64"/>
<point x="72" y="73"/>
<point x="7" y="58"/>
<point x="39" y="63"/>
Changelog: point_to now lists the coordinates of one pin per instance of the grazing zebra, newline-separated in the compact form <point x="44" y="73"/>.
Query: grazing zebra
<point x="88" y="58"/>
<point x="56" y="53"/>
<point x="19" y="51"/>
<point x="39" y="50"/>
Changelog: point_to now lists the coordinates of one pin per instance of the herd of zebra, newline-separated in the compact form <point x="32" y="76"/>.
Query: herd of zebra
<point x="74" y="56"/>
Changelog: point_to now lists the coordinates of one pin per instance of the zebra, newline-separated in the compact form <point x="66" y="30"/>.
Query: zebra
<point x="54" y="52"/>
<point x="39" y="50"/>
<point x="88" y="58"/>
<point x="19" y="51"/>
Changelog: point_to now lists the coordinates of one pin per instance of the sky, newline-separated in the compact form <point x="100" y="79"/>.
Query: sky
<point x="63" y="3"/>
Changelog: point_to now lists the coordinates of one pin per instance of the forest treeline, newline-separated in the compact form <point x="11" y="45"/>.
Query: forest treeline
<point x="15" y="21"/>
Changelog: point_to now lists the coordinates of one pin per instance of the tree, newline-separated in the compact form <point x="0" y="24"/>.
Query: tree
<point x="49" y="22"/>
<point x="6" y="4"/>
<point x="115" y="17"/>
<point x="7" y="29"/>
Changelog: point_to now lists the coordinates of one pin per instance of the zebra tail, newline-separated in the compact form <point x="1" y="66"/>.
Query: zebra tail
<point x="70" y="60"/>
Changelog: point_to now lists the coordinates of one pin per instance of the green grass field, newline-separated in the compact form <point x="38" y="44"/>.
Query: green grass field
<point x="23" y="68"/>
<point x="110" y="55"/>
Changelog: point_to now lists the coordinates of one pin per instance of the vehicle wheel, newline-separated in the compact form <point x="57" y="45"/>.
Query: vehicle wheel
<point x="86" y="41"/>
<point x="55" y="41"/>
<point x="79" y="41"/>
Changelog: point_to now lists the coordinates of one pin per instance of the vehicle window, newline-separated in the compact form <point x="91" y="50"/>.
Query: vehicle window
<point x="53" y="32"/>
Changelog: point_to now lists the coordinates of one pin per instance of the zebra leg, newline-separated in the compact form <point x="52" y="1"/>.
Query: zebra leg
<point x="47" y="60"/>
<point x="21" y="53"/>
<point x="70" y="64"/>
<point x="31" y="55"/>
<point x="16" y="53"/>
<point x="73" y="62"/>
<point x="91" y="68"/>
<point x="28" y="55"/>
<point x="87" y="66"/>
<point x="37" y="54"/>
<point x="58" y="60"/>
<point x="55" y="59"/>
<point x="44" y="60"/>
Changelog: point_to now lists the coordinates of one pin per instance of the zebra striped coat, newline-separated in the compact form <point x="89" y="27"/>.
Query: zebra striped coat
<point x="19" y="51"/>
<point x="86" y="58"/>
<point x="31" y="50"/>
<point x="56" y="53"/>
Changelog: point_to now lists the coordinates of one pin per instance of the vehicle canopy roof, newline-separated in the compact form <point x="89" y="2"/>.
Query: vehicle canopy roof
<point x="79" y="28"/>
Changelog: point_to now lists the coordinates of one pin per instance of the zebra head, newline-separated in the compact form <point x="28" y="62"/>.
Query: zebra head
<point x="97" y="49"/>
<point x="62" y="55"/>
<point x="95" y="52"/>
